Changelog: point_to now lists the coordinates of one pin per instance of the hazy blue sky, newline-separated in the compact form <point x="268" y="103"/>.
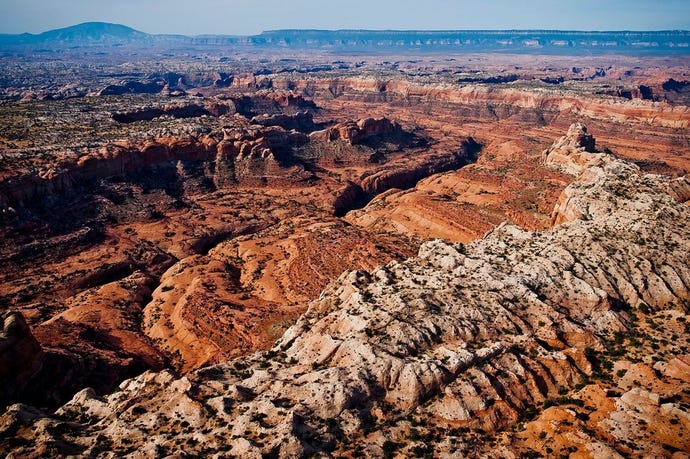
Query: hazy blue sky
<point x="252" y="16"/>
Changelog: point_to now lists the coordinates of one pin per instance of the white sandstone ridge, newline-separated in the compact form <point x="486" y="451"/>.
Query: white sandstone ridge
<point x="571" y="153"/>
<point x="575" y="153"/>
<point x="459" y="336"/>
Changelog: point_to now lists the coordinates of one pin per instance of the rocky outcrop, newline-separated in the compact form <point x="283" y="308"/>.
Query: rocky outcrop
<point x="347" y="198"/>
<point x="266" y="108"/>
<point x="676" y="86"/>
<point x="21" y="356"/>
<point x="408" y="175"/>
<point x="257" y="156"/>
<point x="398" y="173"/>
<point x="132" y="87"/>
<point x="571" y="153"/>
<point x="300" y="121"/>
<point x="679" y="189"/>
<point x="251" y="154"/>
<point x="459" y="337"/>
<point x="641" y="91"/>
<point x="489" y="102"/>
<point x="168" y="82"/>
<point x="575" y="154"/>
<point x="355" y="132"/>
<point x="264" y="101"/>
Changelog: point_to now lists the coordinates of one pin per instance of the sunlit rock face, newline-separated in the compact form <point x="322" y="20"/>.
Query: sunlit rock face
<point x="515" y="327"/>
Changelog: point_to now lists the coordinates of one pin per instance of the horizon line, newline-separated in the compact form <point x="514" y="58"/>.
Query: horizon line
<point x="357" y="30"/>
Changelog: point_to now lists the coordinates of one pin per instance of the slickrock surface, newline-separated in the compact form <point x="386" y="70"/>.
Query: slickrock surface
<point x="517" y="343"/>
<point x="204" y="312"/>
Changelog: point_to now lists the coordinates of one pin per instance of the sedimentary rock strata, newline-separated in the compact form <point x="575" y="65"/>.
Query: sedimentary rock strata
<point x="426" y="355"/>
<point x="141" y="214"/>
<point x="188" y="227"/>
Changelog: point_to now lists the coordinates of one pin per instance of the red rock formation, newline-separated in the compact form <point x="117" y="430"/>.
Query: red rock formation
<point x="543" y="340"/>
<point x="257" y="144"/>
<point x="680" y="189"/>
<point x="301" y="121"/>
<point x="356" y="132"/>
<point x="571" y="153"/>
<point x="408" y="175"/>
<point x="487" y="101"/>
<point x="21" y="356"/>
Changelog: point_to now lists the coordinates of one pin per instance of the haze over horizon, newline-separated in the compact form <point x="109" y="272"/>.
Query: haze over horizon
<point x="246" y="17"/>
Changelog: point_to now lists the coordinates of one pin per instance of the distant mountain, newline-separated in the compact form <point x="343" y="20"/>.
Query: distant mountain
<point x="101" y="34"/>
<point x="87" y="33"/>
<point x="93" y="31"/>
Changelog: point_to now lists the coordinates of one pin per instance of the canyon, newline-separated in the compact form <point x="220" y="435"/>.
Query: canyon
<point x="345" y="255"/>
<point x="418" y="356"/>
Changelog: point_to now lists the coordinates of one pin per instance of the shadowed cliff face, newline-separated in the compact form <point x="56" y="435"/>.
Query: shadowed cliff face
<point x="21" y="356"/>
<point x="532" y="327"/>
<point x="244" y="152"/>
<point x="252" y="147"/>
<point x="154" y="244"/>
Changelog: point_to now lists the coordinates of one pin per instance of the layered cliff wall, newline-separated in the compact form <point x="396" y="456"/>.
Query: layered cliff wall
<point x="490" y="102"/>
<point x="416" y="357"/>
<point x="246" y="156"/>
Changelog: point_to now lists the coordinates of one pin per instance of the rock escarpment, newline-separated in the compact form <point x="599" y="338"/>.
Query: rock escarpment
<point x="570" y="152"/>
<point x="406" y="176"/>
<point x="478" y="101"/>
<point x="355" y="132"/>
<point x="247" y="154"/>
<point x="21" y="356"/>
<point x="183" y="110"/>
<point x="412" y="355"/>
<point x="239" y="151"/>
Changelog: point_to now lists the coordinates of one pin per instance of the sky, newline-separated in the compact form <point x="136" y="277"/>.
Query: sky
<point x="247" y="17"/>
